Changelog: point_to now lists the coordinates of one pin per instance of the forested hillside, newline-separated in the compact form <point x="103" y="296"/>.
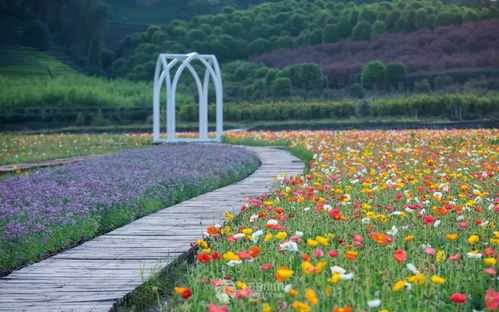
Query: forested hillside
<point x="473" y="44"/>
<point x="237" y="34"/>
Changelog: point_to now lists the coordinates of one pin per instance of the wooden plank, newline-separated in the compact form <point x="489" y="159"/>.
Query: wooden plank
<point x="92" y="276"/>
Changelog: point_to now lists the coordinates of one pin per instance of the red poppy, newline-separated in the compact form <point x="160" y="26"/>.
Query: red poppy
<point x="429" y="220"/>
<point x="254" y="252"/>
<point x="400" y="255"/>
<point x="204" y="258"/>
<point x="184" y="292"/>
<point x="458" y="298"/>
<point x="212" y="230"/>
<point x="216" y="256"/>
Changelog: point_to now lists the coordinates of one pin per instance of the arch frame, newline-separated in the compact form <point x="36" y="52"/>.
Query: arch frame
<point x="163" y="76"/>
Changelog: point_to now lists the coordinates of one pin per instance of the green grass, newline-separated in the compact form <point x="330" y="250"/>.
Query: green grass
<point x="30" y="78"/>
<point x="25" y="61"/>
<point x="27" y="148"/>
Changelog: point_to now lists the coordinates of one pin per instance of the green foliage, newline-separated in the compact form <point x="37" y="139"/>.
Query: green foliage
<point x="356" y="91"/>
<point x="237" y="34"/>
<point x="281" y="87"/>
<point x="422" y="86"/>
<point x="452" y="106"/>
<point x="362" y="31"/>
<point x="378" y="28"/>
<point x="373" y="75"/>
<point x="471" y="105"/>
<point x="393" y="72"/>
<point x="307" y="76"/>
<point x="330" y="33"/>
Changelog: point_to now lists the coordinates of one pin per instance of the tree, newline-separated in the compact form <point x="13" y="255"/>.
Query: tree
<point x="330" y="33"/>
<point x="344" y="27"/>
<point x="448" y="18"/>
<point x="362" y="31"/>
<point x="391" y="19"/>
<point x="422" y="86"/>
<point x="196" y="34"/>
<point x="378" y="28"/>
<point x="373" y="75"/>
<point x="393" y="72"/>
<point x="367" y="15"/>
<point x="315" y="37"/>
<point x="281" y="86"/>
<point x="259" y="46"/>
<point x="306" y="76"/>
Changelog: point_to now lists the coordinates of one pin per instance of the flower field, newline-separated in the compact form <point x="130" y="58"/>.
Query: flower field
<point x="383" y="221"/>
<point x="58" y="207"/>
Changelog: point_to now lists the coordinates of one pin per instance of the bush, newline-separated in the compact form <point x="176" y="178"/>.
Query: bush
<point x="422" y="86"/>
<point x="356" y="90"/>
<point x="373" y="75"/>
<point x="307" y="76"/>
<point x="281" y="87"/>
<point x="393" y="72"/>
<point x="362" y="31"/>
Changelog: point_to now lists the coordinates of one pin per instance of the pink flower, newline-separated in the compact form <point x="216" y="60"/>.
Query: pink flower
<point x="463" y="225"/>
<point x="232" y="239"/>
<point x="296" y="239"/>
<point x="492" y="300"/>
<point x="490" y="271"/>
<point x="332" y="253"/>
<point x="214" y="308"/>
<point x="318" y="253"/>
<point x="266" y="267"/>
<point x="243" y="293"/>
<point x="357" y="244"/>
<point x="458" y="298"/>
<point x="454" y="257"/>
<point x="489" y="251"/>
<point x="216" y="282"/>
<point x="430" y="251"/>
<point x="358" y="238"/>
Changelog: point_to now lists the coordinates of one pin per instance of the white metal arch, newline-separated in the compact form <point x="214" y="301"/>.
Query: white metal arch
<point x="162" y="75"/>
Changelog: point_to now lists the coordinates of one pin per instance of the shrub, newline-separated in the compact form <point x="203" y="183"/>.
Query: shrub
<point x="281" y="87"/>
<point x="373" y="75"/>
<point x="362" y="31"/>
<point x="422" y="86"/>
<point x="306" y="76"/>
<point x="393" y="72"/>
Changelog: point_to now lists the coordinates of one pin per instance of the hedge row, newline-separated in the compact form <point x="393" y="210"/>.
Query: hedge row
<point x="446" y="106"/>
<point x="450" y="106"/>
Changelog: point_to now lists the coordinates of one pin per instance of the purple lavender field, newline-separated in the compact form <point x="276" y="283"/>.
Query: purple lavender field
<point x="58" y="207"/>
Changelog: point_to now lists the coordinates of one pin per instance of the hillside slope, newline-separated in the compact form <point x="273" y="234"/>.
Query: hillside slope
<point x="473" y="44"/>
<point x="156" y="12"/>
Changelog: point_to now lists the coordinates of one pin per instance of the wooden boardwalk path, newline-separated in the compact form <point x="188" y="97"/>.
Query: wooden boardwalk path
<point x="94" y="275"/>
